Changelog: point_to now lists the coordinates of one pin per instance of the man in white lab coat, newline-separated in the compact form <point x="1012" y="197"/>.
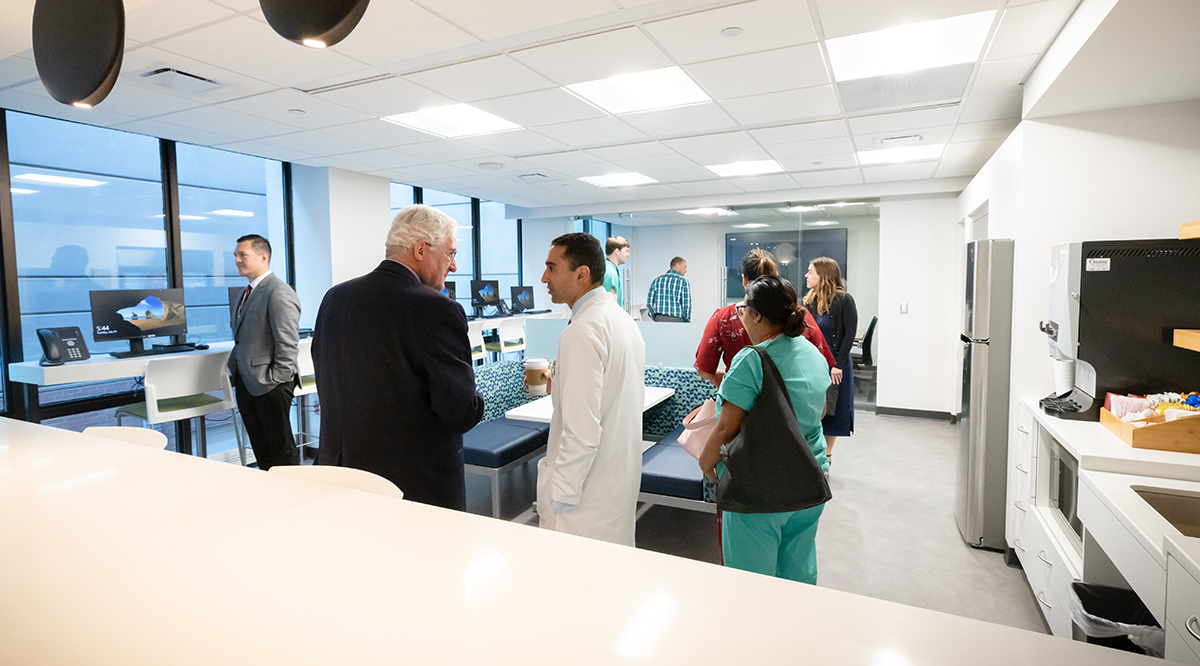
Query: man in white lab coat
<point x="588" y="482"/>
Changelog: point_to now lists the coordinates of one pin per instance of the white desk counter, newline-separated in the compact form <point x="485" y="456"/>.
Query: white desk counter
<point x="542" y="409"/>
<point x="99" y="367"/>
<point x="116" y="554"/>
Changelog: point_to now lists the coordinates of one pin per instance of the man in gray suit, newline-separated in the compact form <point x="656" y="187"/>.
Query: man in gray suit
<point x="266" y="338"/>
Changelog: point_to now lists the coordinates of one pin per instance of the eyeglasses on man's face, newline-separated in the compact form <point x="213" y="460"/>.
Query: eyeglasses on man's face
<point x="449" y="253"/>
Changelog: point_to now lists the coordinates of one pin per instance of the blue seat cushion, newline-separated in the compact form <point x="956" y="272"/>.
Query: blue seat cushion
<point x="667" y="469"/>
<point x="500" y="441"/>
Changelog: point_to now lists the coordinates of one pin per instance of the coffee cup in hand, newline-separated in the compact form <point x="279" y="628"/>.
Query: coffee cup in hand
<point x="537" y="374"/>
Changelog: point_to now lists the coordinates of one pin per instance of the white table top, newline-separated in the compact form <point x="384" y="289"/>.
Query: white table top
<point x="542" y="409"/>
<point x="115" y="554"/>
<point x="99" y="367"/>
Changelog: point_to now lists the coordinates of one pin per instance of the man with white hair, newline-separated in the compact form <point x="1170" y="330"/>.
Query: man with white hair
<point x="394" y="369"/>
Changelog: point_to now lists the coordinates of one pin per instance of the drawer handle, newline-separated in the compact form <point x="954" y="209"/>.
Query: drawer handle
<point x="1193" y="622"/>
<point x="1018" y="505"/>
<point x="1020" y="429"/>
<point x="1042" y="557"/>
<point x="1021" y="469"/>
<point x="1042" y="601"/>
<point x="1018" y="546"/>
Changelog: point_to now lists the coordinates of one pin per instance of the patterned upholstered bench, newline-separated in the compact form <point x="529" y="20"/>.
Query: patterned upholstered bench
<point x="670" y="475"/>
<point x="498" y="444"/>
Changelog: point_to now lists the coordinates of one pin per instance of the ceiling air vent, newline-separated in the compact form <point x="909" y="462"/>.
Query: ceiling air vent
<point x="533" y="177"/>
<point x="179" y="81"/>
<point x="901" y="141"/>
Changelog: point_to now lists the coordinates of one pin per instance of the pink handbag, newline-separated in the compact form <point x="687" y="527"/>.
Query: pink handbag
<point x="697" y="427"/>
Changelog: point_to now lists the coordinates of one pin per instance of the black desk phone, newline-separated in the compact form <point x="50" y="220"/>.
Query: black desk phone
<point x="60" y="345"/>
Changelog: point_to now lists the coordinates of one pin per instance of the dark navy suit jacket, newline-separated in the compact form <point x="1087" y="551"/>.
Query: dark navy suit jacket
<point x="396" y="383"/>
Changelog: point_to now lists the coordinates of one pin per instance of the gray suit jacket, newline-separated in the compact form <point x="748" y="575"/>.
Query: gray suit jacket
<point x="266" y="337"/>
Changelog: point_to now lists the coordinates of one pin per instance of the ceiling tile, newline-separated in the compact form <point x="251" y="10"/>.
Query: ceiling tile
<point x="819" y="163"/>
<point x="651" y="192"/>
<point x="511" y="168"/>
<point x="763" y="72"/>
<point x="446" y="150"/>
<point x="382" y="158"/>
<point x="631" y="151"/>
<point x="480" y="79"/>
<point x="990" y="129"/>
<point x="706" y="117"/>
<point x="434" y="171"/>
<point x="266" y="150"/>
<point x="780" y="181"/>
<point x="700" y="188"/>
<point x="851" y="17"/>
<point x="991" y="107"/>
<point x="160" y="19"/>
<point x="516" y="142"/>
<point x="277" y="105"/>
<point x="970" y="154"/>
<point x="591" y="132"/>
<point x="489" y="19"/>
<point x="239" y="5"/>
<point x="783" y="106"/>
<point x="1029" y="29"/>
<point x="929" y="136"/>
<point x="315" y="143"/>
<point x="335" y="162"/>
<point x="810" y="149"/>
<point x="375" y="40"/>
<point x="728" y="155"/>
<point x="666" y="168"/>
<point x="904" y="120"/>
<point x="880" y="174"/>
<point x="176" y="132"/>
<point x="595" y="56"/>
<point x="134" y="101"/>
<point x="379" y="133"/>
<point x="766" y="24"/>
<point x="825" y="129"/>
<point x="561" y="159"/>
<point x="42" y="104"/>
<point x="593" y="167"/>
<point x="710" y="142"/>
<point x="245" y="45"/>
<point x="998" y="76"/>
<point x="544" y="107"/>
<point x="15" y="69"/>
<point x="829" y="178"/>
<point x="146" y="59"/>
<point x="224" y="121"/>
<point x="385" y="98"/>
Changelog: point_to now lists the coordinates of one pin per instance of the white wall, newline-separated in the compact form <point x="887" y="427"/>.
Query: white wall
<point x="702" y="245"/>
<point x="862" y="257"/>
<point x="918" y="352"/>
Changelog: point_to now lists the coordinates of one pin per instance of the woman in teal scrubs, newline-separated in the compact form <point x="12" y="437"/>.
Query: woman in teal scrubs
<point x="775" y="544"/>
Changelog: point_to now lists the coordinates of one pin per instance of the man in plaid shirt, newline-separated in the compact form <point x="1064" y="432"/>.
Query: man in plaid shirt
<point x="670" y="297"/>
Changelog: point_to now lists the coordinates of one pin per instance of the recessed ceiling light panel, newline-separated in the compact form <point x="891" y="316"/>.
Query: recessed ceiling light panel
<point x="641" y="91"/>
<point x="894" y="155"/>
<point x="750" y="225"/>
<point x="227" y="212"/>
<point x="21" y="190"/>
<point x="909" y="48"/>
<point x="452" y="121"/>
<point x="754" y="168"/>
<point x="63" y="181"/>
<point x="619" y="180"/>
<point x="719" y="212"/>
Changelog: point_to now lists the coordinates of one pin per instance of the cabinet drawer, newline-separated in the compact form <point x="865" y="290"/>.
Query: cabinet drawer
<point x="1178" y="648"/>
<point x="1183" y="605"/>
<point x="1024" y="434"/>
<point x="1048" y="573"/>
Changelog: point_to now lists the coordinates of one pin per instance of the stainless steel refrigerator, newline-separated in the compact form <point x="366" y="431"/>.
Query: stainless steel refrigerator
<point x="983" y="419"/>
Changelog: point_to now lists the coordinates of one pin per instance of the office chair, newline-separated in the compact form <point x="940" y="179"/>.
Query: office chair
<point x="346" y="477"/>
<point x="178" y="388"/>
<point x="864" y="364"/>
<point x="140" y="436"/>
<point x="307" y="387"/>
<point x="475" y="339"/>
<point x="511" y="333"/>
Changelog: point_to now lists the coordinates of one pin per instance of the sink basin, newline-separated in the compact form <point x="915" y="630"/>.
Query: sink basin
<point x="1180" y="509"/>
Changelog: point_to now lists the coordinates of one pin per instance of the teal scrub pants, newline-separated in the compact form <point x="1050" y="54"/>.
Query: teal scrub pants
<point x="783" y="545"/>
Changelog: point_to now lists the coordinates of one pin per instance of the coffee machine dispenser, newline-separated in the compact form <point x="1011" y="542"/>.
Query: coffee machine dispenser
<point x="1074" y="394"/>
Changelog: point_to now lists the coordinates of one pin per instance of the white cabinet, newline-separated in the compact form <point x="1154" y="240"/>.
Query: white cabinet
<point x="1048" y="569"/>
<point x="1183" y="614"/>
<point x="1020" y="472"/>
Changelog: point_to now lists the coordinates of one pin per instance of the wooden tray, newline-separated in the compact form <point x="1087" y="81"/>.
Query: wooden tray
<point x="1182" y="435"/>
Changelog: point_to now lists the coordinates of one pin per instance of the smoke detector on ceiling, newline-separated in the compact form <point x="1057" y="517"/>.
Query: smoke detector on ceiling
<point x="179" y="81"/>
<point x="533" y="177"/>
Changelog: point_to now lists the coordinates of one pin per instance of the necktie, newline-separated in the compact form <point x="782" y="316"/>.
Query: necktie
<point x="242" y="302"/>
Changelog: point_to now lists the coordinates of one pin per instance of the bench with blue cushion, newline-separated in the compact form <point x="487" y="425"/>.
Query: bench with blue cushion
<point x="497" y="444"/>
<point x="670" y="475"/>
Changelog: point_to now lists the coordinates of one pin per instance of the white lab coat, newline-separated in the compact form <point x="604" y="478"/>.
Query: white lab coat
<point x="594" y="454"/>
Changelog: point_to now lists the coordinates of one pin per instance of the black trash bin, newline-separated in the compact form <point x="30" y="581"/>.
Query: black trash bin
<point x="1116" y="618"/>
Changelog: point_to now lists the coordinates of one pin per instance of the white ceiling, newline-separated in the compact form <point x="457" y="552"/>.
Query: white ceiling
<point x="774" y="96"/>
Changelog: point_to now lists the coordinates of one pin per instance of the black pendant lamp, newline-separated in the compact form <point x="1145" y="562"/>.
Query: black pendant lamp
<point x="78" y="46"/>
<point x="313" y="23"/>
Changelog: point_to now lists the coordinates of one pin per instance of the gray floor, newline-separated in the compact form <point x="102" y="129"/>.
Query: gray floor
<point x="888" y="533"/>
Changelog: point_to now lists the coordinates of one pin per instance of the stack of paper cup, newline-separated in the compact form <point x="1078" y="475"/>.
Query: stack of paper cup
<point x="1064" y="376"/>
<point x="537" y="371"/>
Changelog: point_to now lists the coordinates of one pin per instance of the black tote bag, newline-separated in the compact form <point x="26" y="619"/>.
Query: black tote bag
<point x="768" y="466"/>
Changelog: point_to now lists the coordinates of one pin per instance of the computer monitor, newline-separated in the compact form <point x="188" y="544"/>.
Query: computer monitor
<point x="522" y="299"/>
<point x="485" y="293"/>
<point x="449" y="290"/>
<point x="134" y="314"/>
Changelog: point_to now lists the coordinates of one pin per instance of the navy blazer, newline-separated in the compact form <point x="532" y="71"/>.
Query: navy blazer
<point x="393" y="369"/>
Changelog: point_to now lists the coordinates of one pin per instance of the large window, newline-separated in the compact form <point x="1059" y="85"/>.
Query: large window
<point x="498" y="252"/>
<point x="459" y="208"/>
<point x="223" y="196"/>
<point x="88" y="215"/>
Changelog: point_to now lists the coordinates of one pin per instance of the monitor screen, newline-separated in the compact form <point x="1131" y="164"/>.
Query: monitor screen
<point x="485" y="292"/>
<point x="128" y="314"/>
<point x="449" y="290"/>
<point x="522" y="299"/>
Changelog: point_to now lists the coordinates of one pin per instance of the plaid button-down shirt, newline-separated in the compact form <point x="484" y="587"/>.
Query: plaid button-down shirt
<point x="670" y="295"/>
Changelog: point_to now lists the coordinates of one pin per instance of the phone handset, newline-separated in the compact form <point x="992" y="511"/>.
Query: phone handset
<point x="60" y="345"/>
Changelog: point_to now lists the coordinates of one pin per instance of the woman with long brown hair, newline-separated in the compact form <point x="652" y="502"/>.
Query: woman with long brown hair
<point x="833" y="308"/>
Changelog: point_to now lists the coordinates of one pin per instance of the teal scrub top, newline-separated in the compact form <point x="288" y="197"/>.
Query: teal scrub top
<point x="805" y="374"/>
<point x="612" y="281"/>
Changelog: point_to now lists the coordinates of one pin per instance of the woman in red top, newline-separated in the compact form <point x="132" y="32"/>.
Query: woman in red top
<point x="724" y="336"/>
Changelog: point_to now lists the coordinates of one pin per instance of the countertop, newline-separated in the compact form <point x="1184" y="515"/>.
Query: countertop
<point x="112" y="553"/>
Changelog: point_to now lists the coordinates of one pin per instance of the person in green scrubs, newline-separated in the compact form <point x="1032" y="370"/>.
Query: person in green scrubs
<point x="617" y="250"/>
<point x="775" y="544"/>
